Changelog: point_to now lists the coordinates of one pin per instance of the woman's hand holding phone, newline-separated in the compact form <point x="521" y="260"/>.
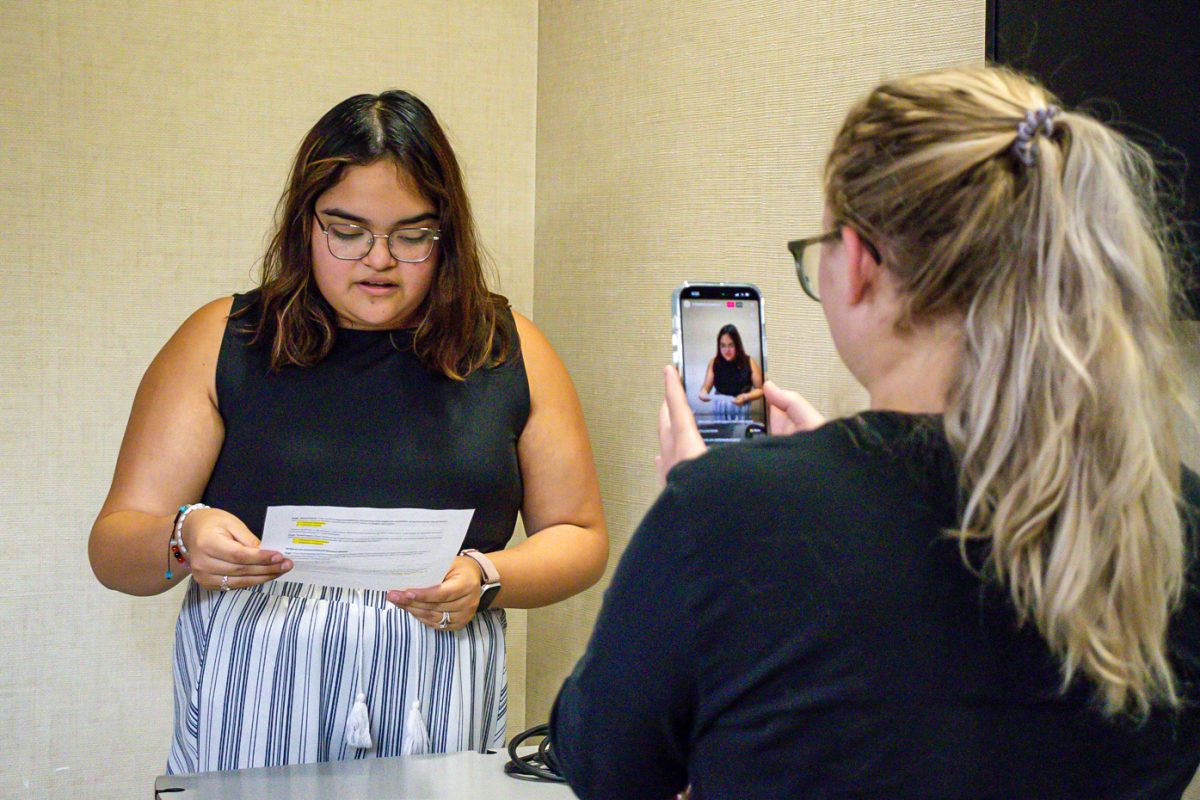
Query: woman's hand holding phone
<point x="678" y="437"/>
<point x="790" y="412"/>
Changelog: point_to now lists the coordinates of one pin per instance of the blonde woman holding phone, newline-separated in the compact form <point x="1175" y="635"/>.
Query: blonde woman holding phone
<point x="985" y="585"/>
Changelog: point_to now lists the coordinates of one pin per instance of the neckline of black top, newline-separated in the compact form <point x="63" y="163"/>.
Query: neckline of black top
<point x="400" y="338"/>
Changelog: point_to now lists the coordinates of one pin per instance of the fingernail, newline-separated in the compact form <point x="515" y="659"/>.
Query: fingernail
<point x="275" y="559"/>
<point x="287" y="565"/>
<point x="393" y="597"/>
<point x="410" y="595"/>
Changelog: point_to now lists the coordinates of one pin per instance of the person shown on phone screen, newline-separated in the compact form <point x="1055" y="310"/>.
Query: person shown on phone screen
<point x="734" y="380"/>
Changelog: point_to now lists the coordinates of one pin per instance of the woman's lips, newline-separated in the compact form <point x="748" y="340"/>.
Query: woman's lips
<point x="377" y="287"/>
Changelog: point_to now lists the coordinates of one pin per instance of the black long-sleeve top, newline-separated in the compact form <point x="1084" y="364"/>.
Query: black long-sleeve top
<point x="791" y="621"/>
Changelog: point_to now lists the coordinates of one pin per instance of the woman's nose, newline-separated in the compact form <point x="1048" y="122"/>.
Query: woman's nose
<point x="379" y="257"/>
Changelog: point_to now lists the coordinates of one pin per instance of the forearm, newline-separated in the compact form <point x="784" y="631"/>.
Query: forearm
<point x="551" y="565"/>
<point x="129" y="552"/>
<point x="752" y="395"/>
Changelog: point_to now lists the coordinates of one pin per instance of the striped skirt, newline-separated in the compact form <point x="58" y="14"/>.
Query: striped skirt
<point x="725" y="409"/>
<point x="268" y="675"/>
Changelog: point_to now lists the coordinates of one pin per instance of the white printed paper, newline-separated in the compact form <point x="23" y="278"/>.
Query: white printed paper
<point x="366" y="548"/>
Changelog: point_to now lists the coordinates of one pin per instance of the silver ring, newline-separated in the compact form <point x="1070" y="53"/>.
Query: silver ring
<point x="445" y="620"/>
<point x="224" y="583"/>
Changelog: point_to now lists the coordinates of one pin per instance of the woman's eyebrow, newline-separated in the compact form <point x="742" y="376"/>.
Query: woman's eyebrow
<point x="337" y="212"/>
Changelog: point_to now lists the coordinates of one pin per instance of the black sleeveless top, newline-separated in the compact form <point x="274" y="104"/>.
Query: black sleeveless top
<point x="368" y="426"/>
<point x="730" y="379"/>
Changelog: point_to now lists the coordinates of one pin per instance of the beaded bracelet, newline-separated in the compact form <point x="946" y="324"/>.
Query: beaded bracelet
<point x="171" y="549"/>
<point x="177" y="548"/>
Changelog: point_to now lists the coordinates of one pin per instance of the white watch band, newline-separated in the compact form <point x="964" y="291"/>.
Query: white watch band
<point x="490" y="573"/>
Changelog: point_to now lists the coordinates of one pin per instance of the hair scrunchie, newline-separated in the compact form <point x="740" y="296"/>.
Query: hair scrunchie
<point x="1036" y="121"/>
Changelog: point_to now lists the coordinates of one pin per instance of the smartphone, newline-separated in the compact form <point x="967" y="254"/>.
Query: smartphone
<point x="720" y="349"/>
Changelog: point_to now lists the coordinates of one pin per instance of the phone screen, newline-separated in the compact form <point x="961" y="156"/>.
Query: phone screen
<point x="720" y="353"/>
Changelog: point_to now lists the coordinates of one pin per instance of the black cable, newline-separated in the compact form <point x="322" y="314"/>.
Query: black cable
<point x="537" y="766"/>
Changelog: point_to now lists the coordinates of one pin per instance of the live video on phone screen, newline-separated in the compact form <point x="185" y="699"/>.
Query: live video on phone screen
<point x="705" y="325"/>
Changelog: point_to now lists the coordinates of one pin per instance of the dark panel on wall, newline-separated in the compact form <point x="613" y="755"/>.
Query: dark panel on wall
<point x="1135" y="64"/>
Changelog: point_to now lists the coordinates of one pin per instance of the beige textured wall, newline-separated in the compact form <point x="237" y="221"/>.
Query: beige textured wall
<point x="143" y="146"/>
<point x="684" y="141"/>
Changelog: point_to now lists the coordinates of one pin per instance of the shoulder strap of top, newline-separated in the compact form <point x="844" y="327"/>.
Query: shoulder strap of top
<point x="233" y="361"/>
<point x="507" y="322"/>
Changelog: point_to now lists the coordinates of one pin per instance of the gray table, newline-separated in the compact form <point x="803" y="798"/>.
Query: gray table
<point x="431" y="777"/>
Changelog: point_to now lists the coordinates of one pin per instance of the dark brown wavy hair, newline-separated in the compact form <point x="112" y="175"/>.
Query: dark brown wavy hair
<point x="740" y="357"/>
<point x="461" y="325"/>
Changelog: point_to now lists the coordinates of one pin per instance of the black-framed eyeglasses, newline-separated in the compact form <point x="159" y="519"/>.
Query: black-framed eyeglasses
<point x="353" y="242"/>
<point x="807" y="254"/>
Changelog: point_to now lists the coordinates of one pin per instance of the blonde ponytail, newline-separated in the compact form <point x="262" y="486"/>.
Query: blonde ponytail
<point x="1063" y="411"/>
